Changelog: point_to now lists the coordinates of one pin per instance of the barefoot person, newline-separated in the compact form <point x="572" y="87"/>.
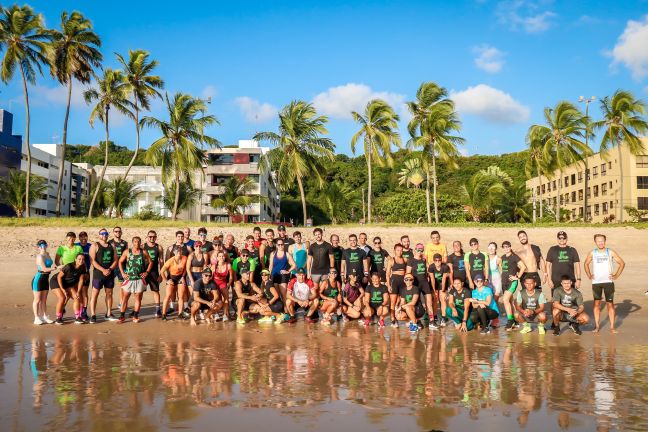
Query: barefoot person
<point x="376" y="301"/>
<point x="568" y="306"/>
<point x="135" y="265"/>
<point x="530" y="306"/>
<point x="206" y="297"/>
<point x="67" y="284"/>
<point x="40" y="284"/>
<point x="104" y="262"/>
<point x="599" y="267"/>
<point x="173" y="272"/>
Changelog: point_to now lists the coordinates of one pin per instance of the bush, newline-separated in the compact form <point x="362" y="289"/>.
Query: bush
<point x="635" y="214"/>
<point x="409" y="207"/>
<point x="147" y="213"/>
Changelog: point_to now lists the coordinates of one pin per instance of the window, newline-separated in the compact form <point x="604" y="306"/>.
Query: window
<point x="610" y="185"/>
<point x="589" y="192"/>
<point x="543" y="188"/>
<point x="566" y="182"/>
<point x="587" y="173"/>
<point x="64" y="187"/>
<point x="580" y="212"/>
<point x="254" y="177"/>
<point x="40" y="212"/>
<point x="580" y="176"/>
<point x="596" y="209"/>
<point x="596" y="188"/>
<point x="221" y="158"/>
<point x="573" y="179"/>
<point x="603" y="169"/>
<point x="42" y="164"/>
<point x="642" y="182"/>
<point x="604" y="189"/>
<point x="538" y="190"/>
<point x="642" y="203"/>
<point x="642" y="161"/>
<point x="573" y="214"/>
<point x="43" y="197"/>
<point x="219" y="180"/>
<point x="589" y="212"/>
<point x="611" y="205"/>
<point x="254" y="158"/>
<point x="605" y="208"/>
<point x="573" y="196"/>
<point x="580" y="195"/>
<point x="595" y="172"/>
<point x="553" y="184"/>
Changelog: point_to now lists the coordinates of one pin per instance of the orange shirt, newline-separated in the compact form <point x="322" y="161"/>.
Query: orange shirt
<point x="176" y="268"/>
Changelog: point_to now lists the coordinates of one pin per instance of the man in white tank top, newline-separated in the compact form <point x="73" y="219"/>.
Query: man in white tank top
<point x="599" y="267"/>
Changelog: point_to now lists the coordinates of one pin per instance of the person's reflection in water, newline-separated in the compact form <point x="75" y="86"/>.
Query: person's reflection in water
<point x="38" y="365"/>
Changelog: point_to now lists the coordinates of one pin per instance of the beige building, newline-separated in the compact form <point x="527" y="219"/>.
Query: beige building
<point x="604" y="186"/>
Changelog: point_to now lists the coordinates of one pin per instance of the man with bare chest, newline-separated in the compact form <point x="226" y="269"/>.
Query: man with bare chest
<point x="531" y="256"/>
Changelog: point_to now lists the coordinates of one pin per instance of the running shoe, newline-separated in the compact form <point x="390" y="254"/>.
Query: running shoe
<point x="485" y="331"/>
<point x="442" y="322"/>
<point x="291" y="320"/>
<point x="78" y="320"/>
<point x="280" y="320"/>
<point x="38" y="321"/>
<point x="240" y="321"/>
<point x="509" y="325"/>
<point x="158" y="313"/>
<point x="576" y="328"/>
<point x="526" y="328"/>
<point x="164" y="317"/>
<point x="111" y="317"/>
<point x="433" y="325"/>
<point x="201" y="315"/>
<point x="47" y="319"/>
<point x="495" y="323"/>
<point x="171" y="307"/>
<point x="93" y="319"/>
<point x="136" y="319"/>
<point x="59" y="321"/>
<point x="226" y="317"/>
<point x="556" y="330"/>
<point x="84" y="316"/>
<point x="131" y="314"/>
<point x="541" y="329"/>
<point x="412" y="327"/>
<point x="381" y="323"/>
<point x="367" y="322"/>
<point x="265" y="320"/>
<point x="394" y="324"/>
<point x="121" y="319"/>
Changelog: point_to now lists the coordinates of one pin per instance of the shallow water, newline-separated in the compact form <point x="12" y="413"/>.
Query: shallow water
<point x="313" y="378"/>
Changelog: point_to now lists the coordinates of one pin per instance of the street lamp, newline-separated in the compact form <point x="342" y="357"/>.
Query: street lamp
<point x="587" y="101"/>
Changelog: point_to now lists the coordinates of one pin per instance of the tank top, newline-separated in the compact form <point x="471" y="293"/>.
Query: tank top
<point x="299" y="255"/>
<point x="279" y="264"/>
<point x="267" y="293"/>
<point x="105" y="255"/>
<point x="330" y="291"/>
<point x="221" y="278"/>
<point x="47" y="261"/>
<point x="246" y="287"/>
<point x="494" y="269"/>
<point x="267" y="252"/>
<point x="601" y="266"/>
<point x="154" y="254"/>
<point x="134" y="265"/>
<point x="197" y="263"/>
<point x="399" y="266"/>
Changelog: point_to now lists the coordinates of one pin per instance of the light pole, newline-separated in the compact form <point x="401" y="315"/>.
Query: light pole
<point x="587" y="101"/>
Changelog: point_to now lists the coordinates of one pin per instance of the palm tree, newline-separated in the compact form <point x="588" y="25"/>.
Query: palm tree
<point x="237" y="195"/>
<point x="73" y="55"/>
<point x="187" y="197"/>
<point x="143" y="86"/>
<point x="101" y="204"/>
<point x="111" y="91"/>
<point x="515" y="207"/>
<point x="25" y="43"/>
<point x="121" y="194"/>
<point x="378" y="130"/>
<point x="13" y="191"/>
<point x="622" y="123"/>
<point x="561" y="139"/>
<point x="337" y="199"/>
<point x="301" y="148"/>
<point x="412" y="173"/>
<point x="484" y="189"/>
<point x="536" y="166"/>
<point x="434" y="119"/>
<point x="177" y="151"/>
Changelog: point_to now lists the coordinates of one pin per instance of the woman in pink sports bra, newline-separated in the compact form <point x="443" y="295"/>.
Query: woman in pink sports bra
<point x="223" y="277"/>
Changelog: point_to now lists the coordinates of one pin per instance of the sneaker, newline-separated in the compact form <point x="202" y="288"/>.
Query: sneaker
<point x="240" y="321"/>
<point x="575" y="328"/>
<point x="84" y="316"/>
<point x="171" y="307"/>
<point x="291" y="320"/>
<point x="553" y="326"/>
<point x="158" y="313"/>
<point x="265" y="320"/>
<point x="136" y="319"/>
<point x="433" y="325"/>
<point x="485" y="331"/>
<point x="413" y="327"/>
<point x="93" y="319"/>
<point x="495" y="323"/>
<point x="526" y="328"/>
<point x="367" y="322"/>
<point x="541" y="329"/>
<point x="394" y="324"/>
<point x="46" y="319"/>
<point x="381" y="323"/>
<point x="131" y="314"/>
<point x="442" y="322"/>
<point x="111" y="317"/>
<point x="164" y="317"/>
<point x="556" y="330"/>
<point x="59" y="321"/>
<point x="121" y="319"/>
<point x="38" y="321"/>
<point x="280" y="320"/>
<point x="201" y="315"/>
<point x="509" y="325"/>
<point x="226" y="317"/>
<point x="78" y="320"/>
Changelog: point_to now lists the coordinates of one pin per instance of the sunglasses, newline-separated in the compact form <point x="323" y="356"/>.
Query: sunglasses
<point x="202" y="235"/>
<point x="474" y="244"/>
<point x="409" y="280"/>
<point x="103" y="233"/>
<point x="418" y="250"/>
<point x="280" y="244"/>
<point x="245" y="255"/>
<point x="562" y="238"/>
<point x="376" y="242"/>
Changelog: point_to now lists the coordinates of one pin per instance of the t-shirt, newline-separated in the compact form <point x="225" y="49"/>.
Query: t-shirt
<point x="232" y="251"/>
<point x="239" y="266"/>
<point x="376" y="293"/>
<point x="458" y="266"/>
<point x="408" y="294"/>
<point x="300" y="290"/>
<point x="351" y="292"/>
<point x="562" y="261"/>
<point x="431" y="249"/>
<point x="337" y="257"/>
<point x="287" y="241"/>
<point x="530" y="301"/>
<point x="68" y="255"/>
<point x="320" y="253"/>
<point x="460" y="297"/>
<point x="176" y="268"/>
<point x="477" y="263"/>
<point x="509" y="266"/>
<point x="354" y="258"/>
<point x="377" y="260"/>
<point x="190" y="243"/>
<point x="204" y="289"/>
<point x="71" y="275"/>
<point x="438" y="275"/>
<point x="86" y="254"/>
<point x="408" y="253"/>
<point x="419" y="269"/>
<point x="572" y="300"/>
<point x="483" y="295"/>
<point x="205" y="247"/>
<point x="171" y="251"/>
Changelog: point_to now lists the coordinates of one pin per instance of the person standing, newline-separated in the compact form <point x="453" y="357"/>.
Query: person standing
<point x="599" y="267"/>
<point x="187" y="238"/>
<point x="135" y="265"/>
<point x="337" y="254"/>
<point x="407" y="250"/>
<point x="67" y="253"/>
<point x="476" y="263"/>
<point x="378" y="258"/>
<point x="512" y="270"/>
<point x="563" y="259"/>
<point x="283" y="235"/>
<point x="435" y="247"/>
<point x="120" y="245"/>
<point x="320" y="258"/>
<point x="40" y="284"/>
<point x="154" y="278"/>
<point x="354" y="259"/>
<point x="299" y="251"/>
<point x="104" y="262"/>
<point x="362" y="242"/>
<point x="85" y="246"/>
<point x="531" y="256"/>
<point x="456" y="260"/>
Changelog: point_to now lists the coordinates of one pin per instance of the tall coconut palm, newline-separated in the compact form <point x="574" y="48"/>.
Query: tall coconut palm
<point x="73" y="55"/>
<point x="12" y="191"/>
<point x="378" y="131"/>
<point x="301" y="148"/>
<point x="515" y="207"/>
<point x="187" y="197"/>
<point x="142" y="86"/>
<point x="111" y="91"/>
<point x="537" y="165"/>
<point x="622" y="123"/>
<point x="237" y="195"/>
<point x="412" y="173"/>
<point x="121" y="194"/>
<point x="338" y="201"/>
<point x="561" y="139"/>
<point x="433" y="122"/>
<point x="25" y="43"/>
<point x="484" y="189"/>
<point x="179" y="150"/>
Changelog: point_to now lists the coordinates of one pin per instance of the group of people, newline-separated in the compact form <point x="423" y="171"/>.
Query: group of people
<point x="272" y="278"/>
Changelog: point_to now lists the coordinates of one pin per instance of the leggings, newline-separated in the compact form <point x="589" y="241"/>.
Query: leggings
<point x="457" y="320"/>
<point x="483" y="315"/>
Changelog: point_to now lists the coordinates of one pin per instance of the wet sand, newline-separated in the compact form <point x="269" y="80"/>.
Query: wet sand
<point x="157" y="375"/>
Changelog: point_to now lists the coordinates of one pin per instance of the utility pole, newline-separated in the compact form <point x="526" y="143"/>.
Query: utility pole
<point x="587" y="101"/>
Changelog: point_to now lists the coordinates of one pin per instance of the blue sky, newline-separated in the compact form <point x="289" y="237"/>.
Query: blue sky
<point x="502" y="61"/>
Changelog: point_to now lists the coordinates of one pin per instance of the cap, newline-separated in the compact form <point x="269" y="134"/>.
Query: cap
<point x="245" y="251"/>
<point x="353" y="272"/>
<point x="561" y="233"/>
<point x="265" y="272"/>
<point x="301" y="271"/>
<point x="281" y="228"/>
<point x="207" y="271"/>
<point x="419" y="246"/>
<point x="478" y="277"/>
<point x="41" y="243"/>
<point x="437" y="256"/>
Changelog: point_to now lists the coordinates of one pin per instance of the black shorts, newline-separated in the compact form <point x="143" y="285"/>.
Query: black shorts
<point x="536" y="278"/>
<point x="196" y="277"/>
<point x="152" y="282"/>
<point x="54" y="284"/>
<point x="277" y="307"/>
<point x="86" y="280"/>
<point x="419" y="310"/>
<point x="100" y="281"/>
<point x="281" y="278"/>
<point x="397" y="284"/>
<point x="375" y="306"/>
<point x="176" y="279"/>
<point x="423" y="285"/>
<point x="40" y="282"/>
<point x="606" y="288"/>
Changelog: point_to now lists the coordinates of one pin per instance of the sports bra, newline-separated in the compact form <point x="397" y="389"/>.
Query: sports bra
<point x="197" y="263"/>
<point x="398" y="267"/>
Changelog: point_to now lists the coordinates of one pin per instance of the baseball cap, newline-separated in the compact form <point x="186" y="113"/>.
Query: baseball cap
<point x="419" y="246"/>
<point x="301" y="271"/>
<point x="207" y="271"/>
<point x="478" y="277"/>
<point x="281" y="228"/>
<point x="265" y="272"/>
<point x="561" y="234"/>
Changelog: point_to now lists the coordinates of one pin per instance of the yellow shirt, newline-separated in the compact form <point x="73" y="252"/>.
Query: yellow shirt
<point x="431" y="249"/>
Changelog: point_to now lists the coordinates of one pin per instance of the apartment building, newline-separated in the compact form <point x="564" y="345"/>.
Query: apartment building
<point x="10" y="150"/>
<point x="603" y="189"/>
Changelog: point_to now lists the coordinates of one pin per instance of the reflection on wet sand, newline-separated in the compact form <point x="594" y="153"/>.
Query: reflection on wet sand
<point x="440" y="381"/>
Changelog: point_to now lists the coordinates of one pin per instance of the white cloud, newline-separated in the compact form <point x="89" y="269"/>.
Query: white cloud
<point x="463" y="151"/>
<point x="255" y="111"/>
<point x="491" y="104"/>
<point x="338" y="102"/>
<point x="631" y="49"/>
<point x="489" y="58"/>
<point x="44" y="96"/>
<point x="209" y="92"/>
<point x="525" y="14"/>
